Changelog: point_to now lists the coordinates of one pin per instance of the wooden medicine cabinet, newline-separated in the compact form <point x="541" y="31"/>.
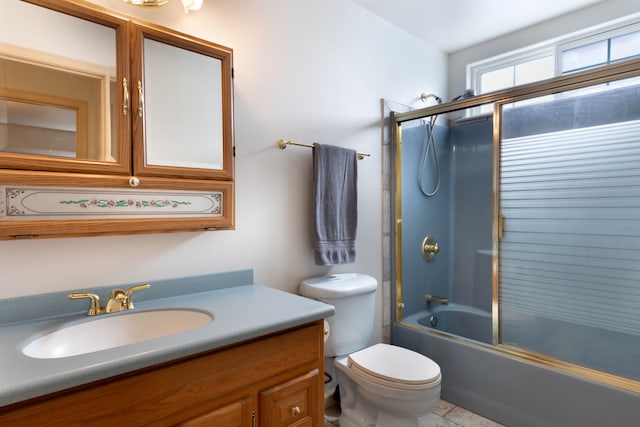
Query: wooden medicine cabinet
<point x="110" y="125"/>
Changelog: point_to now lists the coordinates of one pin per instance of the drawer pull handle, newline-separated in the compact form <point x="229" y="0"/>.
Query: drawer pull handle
<point x="295" y="411"/>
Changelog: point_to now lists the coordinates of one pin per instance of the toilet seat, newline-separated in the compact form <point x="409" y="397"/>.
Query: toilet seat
<point x="395" y="367"/>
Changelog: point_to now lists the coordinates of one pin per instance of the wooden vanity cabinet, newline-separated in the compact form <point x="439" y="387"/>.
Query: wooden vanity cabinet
<point x="271" y="381"/>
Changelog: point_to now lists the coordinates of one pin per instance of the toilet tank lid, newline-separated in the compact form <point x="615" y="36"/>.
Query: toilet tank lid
<point x="338" y="285"/>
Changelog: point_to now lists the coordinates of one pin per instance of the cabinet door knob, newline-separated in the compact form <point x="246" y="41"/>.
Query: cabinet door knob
<point x="295" y="411"/>
<point x="134" y="182"/>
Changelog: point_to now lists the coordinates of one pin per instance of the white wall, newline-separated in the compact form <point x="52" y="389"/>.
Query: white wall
<point x="590" y="16"/>
<point x="306" y="70"/>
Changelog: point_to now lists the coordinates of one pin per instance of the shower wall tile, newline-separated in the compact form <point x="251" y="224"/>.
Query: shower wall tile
<point x="386" y="236"/>
<point x="386" y="312"/>
<point x="386" y="302"/>
<point x="386" y="253"/>
<point x="386" y="335"/>
<point x="386" y="162"/>
<point x="386" y="196"/>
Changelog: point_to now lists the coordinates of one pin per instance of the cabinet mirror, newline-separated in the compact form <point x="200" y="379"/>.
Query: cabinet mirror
<point x="182" y="105"/>
<point x="58" y="89"/>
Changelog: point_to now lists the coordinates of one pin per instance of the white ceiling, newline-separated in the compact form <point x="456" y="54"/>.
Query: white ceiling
<point x="451" y="25"/>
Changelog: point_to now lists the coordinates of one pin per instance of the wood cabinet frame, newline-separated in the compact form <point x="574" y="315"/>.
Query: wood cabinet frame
<point x="129" y="172"/>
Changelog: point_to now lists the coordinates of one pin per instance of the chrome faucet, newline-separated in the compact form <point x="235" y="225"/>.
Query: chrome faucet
<point x="439" y="300"/>
<point x="119" y="300"/>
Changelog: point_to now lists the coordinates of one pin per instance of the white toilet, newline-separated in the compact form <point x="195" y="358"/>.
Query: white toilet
<point x="382" y="385"/>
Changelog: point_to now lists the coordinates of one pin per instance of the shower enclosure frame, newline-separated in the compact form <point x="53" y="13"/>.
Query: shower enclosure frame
<point x="609" y="73"/>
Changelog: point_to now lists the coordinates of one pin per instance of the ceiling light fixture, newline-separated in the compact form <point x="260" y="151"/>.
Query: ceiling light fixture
<point x="147" y="2"/>
<point x="189" y="5"/>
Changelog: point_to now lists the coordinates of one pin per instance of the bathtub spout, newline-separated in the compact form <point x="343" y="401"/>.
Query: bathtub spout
<point x="439" y="300"/>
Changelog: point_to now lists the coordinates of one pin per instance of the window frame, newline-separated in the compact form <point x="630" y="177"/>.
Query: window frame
<point x="554" y="48"/>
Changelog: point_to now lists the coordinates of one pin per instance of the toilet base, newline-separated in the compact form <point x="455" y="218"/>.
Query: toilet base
<point x="364" y="404"/>
<point x="355" y="418"/>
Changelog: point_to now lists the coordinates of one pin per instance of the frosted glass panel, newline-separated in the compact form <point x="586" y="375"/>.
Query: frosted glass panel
<point x="570" y="253"/>
<point x="497" y="79"/>
<point x="534" y="71"/>
<point x="585" y="56"/>
<point x="625" y="46"/>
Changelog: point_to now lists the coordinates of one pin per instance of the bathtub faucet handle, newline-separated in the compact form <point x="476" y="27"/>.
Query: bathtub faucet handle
<point x="430" y="248"/>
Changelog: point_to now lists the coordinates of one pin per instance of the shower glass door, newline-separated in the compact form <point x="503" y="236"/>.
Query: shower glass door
<point x="446" y="174"/>
<point x="569" y="204"/>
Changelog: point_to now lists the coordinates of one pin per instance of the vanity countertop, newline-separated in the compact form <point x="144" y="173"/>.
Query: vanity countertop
<point x="240" y="313"/>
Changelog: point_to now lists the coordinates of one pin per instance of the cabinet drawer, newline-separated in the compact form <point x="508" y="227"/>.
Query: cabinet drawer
<point x="235" y="414"/>
<point x="292" y="403"/>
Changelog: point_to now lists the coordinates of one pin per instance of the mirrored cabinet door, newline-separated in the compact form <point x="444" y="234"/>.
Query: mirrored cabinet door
<point x="63" y="91"/>
<point x="182" y="112"/>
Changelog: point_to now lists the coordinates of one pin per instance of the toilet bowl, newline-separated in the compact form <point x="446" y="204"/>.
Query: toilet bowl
<point x="382" y="385"/>
<point x="386" y="385"/>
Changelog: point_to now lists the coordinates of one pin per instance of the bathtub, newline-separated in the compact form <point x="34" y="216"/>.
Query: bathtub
<point x="456" y="319"/>
<point x="504" y="388"/>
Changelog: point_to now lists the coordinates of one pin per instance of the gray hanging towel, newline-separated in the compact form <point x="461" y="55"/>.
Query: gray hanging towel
<point x="335" y="204"/>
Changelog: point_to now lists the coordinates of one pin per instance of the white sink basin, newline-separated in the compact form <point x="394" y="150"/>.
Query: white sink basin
<point x="115" y="330"/>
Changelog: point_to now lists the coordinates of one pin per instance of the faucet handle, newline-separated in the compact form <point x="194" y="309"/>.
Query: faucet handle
<point x="430" y="248"/>
<point x="95" y="307"/>
<point x="128" y="292"/>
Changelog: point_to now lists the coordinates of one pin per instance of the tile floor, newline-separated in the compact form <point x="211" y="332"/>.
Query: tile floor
<point x="445" y="414"/>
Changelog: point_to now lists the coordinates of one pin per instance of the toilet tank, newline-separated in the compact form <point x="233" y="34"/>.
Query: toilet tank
<point x="353" y="297"/>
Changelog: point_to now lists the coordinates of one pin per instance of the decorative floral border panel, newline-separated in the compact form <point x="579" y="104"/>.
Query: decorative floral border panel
<point x="62" y="203"/>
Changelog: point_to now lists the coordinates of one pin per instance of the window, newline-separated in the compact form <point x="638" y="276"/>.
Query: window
<point x="561" y="57"/>
<point x="517" y="74"/>
<point x="512" y="70"/>
<point x="587" y="53"/>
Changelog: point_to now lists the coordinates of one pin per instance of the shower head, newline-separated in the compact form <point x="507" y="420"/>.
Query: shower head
<point x="468" y="93"/>
<point x="425" y="96"/>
